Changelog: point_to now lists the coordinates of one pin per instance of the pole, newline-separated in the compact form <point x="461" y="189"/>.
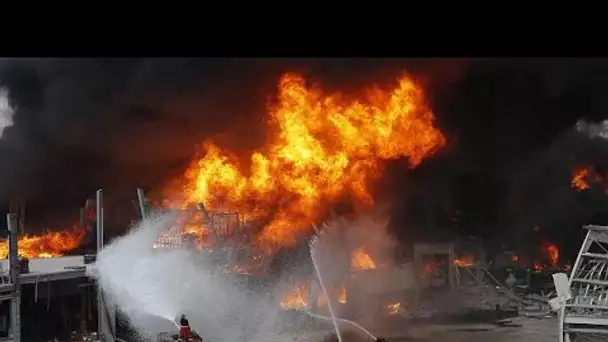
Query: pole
<point x="13" y="227"/>
<point x="101" y="311"/>
<point x="99" y="215"/>
<point x="202" y="208"/>
<point x="209" y="222"/>
<point x="142" y="203"/>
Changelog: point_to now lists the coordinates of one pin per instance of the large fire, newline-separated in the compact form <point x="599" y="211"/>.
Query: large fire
<point x="49" y="245"/>
<point x="325" y="147"/>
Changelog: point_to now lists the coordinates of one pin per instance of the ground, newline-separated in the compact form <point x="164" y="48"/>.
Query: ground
<point x="519" y="329"/>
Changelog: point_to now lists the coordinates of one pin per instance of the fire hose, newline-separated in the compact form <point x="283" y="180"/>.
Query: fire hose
<point x="342" y="320"/>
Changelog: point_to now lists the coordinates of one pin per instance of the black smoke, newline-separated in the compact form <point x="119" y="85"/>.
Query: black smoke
<point x="514" y="151"/>
<point x="118" y="124"/>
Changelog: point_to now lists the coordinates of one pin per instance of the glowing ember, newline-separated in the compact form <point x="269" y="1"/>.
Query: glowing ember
<point x="342" y="295"/>
<point x="430" y="268"/>
<point x="394" y="308"/>
<point x="325" y="147"/>
<point x="361" y="260"/>
<point x="49" y="245"/>
<point x="240" y="269"/>
<point x="295" y="299"/>
<point x="465" y="261"/>
<point x="579" y="179"/>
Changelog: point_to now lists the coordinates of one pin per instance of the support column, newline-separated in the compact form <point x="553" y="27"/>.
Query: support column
<point x="13" y="257"/>
<point x="106" y="319"/>
<point x="141" y="199"/>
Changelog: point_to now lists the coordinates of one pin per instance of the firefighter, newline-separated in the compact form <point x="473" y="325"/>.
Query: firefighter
<point x="184" y="330"/>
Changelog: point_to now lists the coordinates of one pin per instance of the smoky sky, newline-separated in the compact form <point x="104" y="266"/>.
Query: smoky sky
<point x="118" y="124"/>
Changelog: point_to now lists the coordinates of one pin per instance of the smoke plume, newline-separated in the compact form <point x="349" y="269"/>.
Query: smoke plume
<point x="83" y="124"/>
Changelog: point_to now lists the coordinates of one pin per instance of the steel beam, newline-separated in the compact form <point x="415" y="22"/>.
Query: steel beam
<point x="13" y="257"/>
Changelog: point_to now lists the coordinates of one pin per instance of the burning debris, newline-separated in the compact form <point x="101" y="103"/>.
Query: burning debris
<point x="587" y="177"/>
<point x="360" y="260"/>
<point x="579" y="179"/>
<point x="296" y="299"/>
<point x="552" y="252"/>
<point x="467" y="260"/>
<point x="394" y="308"/>
<point x="48" y="245"/>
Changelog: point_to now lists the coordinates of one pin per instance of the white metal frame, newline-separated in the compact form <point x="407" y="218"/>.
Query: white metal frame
<point x="585" y="314"/>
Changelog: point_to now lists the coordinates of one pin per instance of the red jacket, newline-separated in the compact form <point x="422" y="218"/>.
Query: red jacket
<point x="184" y="332"/>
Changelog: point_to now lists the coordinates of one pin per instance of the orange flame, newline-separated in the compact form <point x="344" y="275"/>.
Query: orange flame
<point x="360" y="260"/>
<point x="579" y="179"/>
<point x="552" y="252"/>
<point x="465" y="261"/>
<point x="49" y="245"/>
<point x="394" y="308"/>
<point x="295" y="299"/>
<point x="342" y="295"/>
<point x="325" y="147"/>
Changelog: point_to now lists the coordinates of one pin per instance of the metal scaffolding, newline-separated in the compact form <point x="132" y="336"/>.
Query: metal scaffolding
<point x="11" y="290"/>
<point x="584" y="315"/>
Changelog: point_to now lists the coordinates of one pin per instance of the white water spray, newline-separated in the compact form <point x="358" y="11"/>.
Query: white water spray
<point x="125" y="270"/>
<point x="313" y="253"/>
<point x="147" y="283"/>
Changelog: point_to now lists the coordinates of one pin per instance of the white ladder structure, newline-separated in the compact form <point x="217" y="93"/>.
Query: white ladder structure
<point x="584" y="317"/>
